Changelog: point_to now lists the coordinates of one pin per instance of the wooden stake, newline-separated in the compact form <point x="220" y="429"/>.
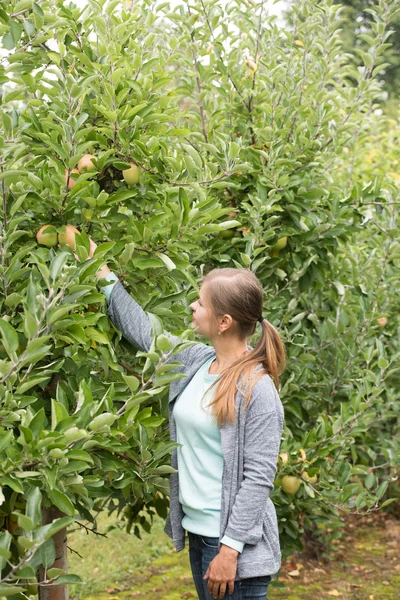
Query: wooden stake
<point x="55" y="592"/>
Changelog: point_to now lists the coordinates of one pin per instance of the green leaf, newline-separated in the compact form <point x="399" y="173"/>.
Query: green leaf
<point x="77" y="332"/>
<point x="57" y="313"/>
<point x="12" y="174"/>
<point x="36" y="350"/>
<point x="57" y="265"/>
<point x="381" y="489"/>
<point x="5" y="439"/>
<point x="25" y="522"/>
<point x="47" y="553"/>
<point x="383" y="363"/>
<point x="103" y="249"/>
<point x="104" y="420"/>
<point x="29" y="27"/>
<point x="38" y="422"/>
<point x="51" y="573"/>
<point x="58" y="413"/>
<point x="131" y="381"/>
<point x="167" y="261"/>
<point x="164" y="343"/>
<point x="47" y="531"/>
<point x="96" y="335"/>
<point x="5" y="542"/>
<point x="34" y="505"/>
<point x="12" y="483"/>
<point x="80" y="455"/>
<point x="118" y="164"/>
<point x="61" y="501"/>
<point x="9" y="337"/>
<point x="31" y="382"/>
<point x="190" y="164"/>
<point x="146" y="263"/>
<point x="70" y="578"/>
<point x="194" y="155"/>
<point x="298" y="317"/>
<point x="9" y="590"/>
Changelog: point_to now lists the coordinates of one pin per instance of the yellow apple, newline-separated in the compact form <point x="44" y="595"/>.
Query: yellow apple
<point x="290" y="484"/>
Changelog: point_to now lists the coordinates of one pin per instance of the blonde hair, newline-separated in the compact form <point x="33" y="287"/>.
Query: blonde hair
<point x="238" y="292"/>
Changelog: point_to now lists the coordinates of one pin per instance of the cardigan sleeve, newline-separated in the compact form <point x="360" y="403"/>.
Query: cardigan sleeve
<point x="261" y="449"/>
<point x="134" y="323"/>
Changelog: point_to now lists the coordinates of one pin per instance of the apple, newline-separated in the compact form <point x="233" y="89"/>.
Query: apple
<point x="47" y="237"/>
<point x="31" y="589"/>
<point x="290" y="484"/>
<point x="86" y="164"/>
<point x="68" y="237"/>
<point x="312" y="479"/>
<point x="280" y="245"/>
<point x="303" y="457"/>
<point x="226" y="234"/>
<point x="285" y="457"/>
<point x="71" y="182"/>
<point x="131" y="175"/>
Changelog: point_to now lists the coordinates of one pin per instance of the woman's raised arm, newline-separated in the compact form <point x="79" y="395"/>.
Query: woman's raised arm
<point x="128" y="316"/>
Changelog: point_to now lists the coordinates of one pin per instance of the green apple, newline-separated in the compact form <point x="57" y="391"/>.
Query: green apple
<point x="47" y="236"/>
<point x="131" y="175"/>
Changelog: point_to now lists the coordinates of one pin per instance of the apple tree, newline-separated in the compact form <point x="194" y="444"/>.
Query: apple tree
<point x="181" y="139"/>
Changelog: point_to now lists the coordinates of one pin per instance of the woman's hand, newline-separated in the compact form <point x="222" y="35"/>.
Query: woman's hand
<point x="221" y="572"/>
<point x="104" y="270"/>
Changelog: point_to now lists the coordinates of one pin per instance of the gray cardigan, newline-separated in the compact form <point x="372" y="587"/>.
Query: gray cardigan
<point x="250" y="448"/>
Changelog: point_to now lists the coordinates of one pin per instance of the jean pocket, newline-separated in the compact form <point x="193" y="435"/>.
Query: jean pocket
<point x="210" y="542"/>
<point x="265" y="578"/>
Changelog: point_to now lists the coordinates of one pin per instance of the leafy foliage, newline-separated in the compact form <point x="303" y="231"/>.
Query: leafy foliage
<point x="356" y="29"/>
<point x="234" y="155"/>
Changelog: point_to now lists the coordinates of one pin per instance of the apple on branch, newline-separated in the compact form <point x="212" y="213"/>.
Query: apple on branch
<point x="71" y="182"/>
<point x="131" y="175"/>
<point x="67" y="237"/>
<point x="47" y="235"/>
<point x="86" y="163"/>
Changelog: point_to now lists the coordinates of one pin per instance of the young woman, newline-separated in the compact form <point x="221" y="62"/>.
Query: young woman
<point x="229" y="447"/>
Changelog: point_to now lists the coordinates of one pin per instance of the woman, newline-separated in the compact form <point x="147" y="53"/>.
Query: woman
<point x="229" y="448"/>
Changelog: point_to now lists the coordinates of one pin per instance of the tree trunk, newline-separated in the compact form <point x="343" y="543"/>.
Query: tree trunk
<point x="55" y="592"/>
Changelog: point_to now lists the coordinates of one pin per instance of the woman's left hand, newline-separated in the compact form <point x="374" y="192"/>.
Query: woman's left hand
<point x="221" y="572"/>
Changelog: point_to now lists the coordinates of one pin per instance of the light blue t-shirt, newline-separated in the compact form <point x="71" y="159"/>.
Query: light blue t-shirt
<point x="200" y="458"/>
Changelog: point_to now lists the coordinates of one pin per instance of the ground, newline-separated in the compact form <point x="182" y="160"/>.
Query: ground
<point x="364" y="566"/>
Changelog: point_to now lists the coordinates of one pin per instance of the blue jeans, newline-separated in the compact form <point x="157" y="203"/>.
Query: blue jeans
<point x="202" y="550"/>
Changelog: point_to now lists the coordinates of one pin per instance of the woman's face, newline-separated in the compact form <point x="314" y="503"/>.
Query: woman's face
<point x="201" y="313"/>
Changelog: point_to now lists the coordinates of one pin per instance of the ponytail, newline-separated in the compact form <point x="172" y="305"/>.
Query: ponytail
<point x="238" y="292"/>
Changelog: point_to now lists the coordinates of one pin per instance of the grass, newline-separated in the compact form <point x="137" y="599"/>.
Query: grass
<point x="364" y="566"/>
